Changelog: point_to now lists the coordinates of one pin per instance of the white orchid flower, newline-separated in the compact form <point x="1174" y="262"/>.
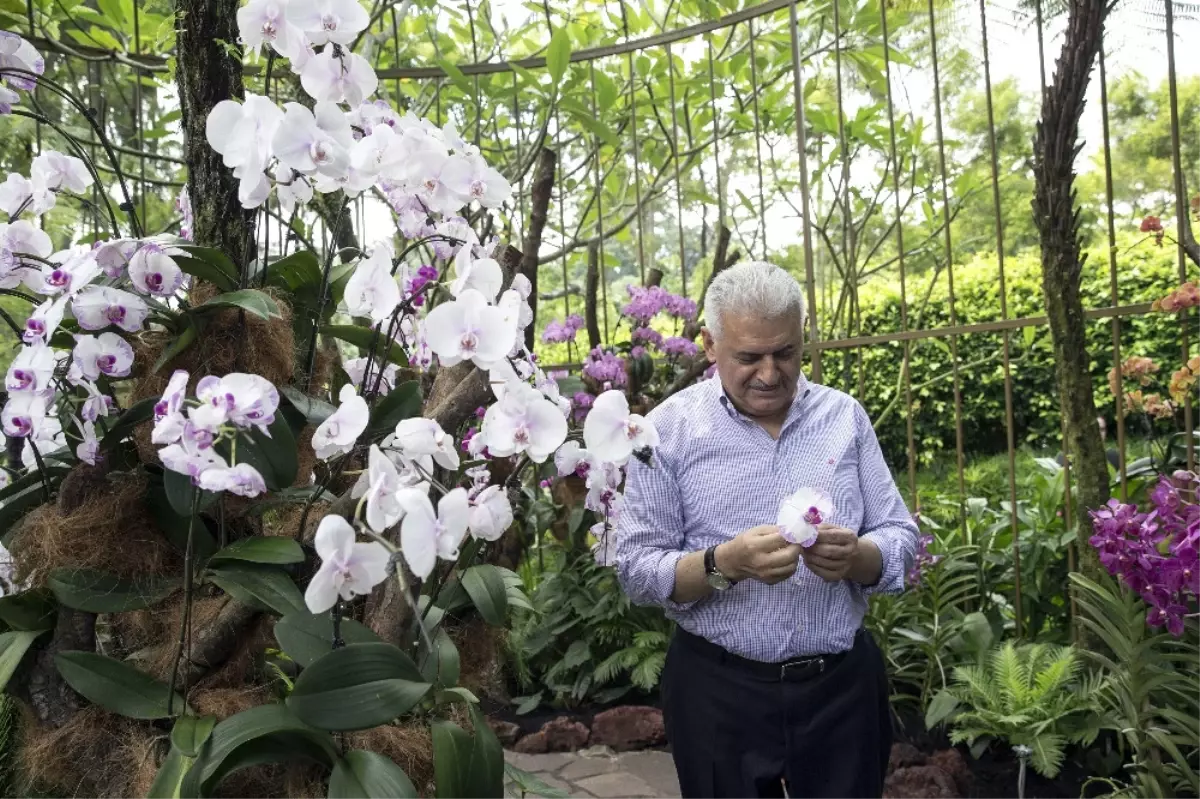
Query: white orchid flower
<point x="426" y="536"/>
<point x="323" y="21"/>
<point x="490" y="514"/>
<point x="97" y="307"/>
<point x="316" y="141"/>
<point x="337" y="434"/>
<point x="419" y="436"/>
<point x="345" y="78"/>
<point x="348" y="568"/>
<point x="107" y="354"/>
<point x="469" y="329"/>
<point x="800" y="514"/>
<point x="524" y="421"/>
<point x="612" y="433"/>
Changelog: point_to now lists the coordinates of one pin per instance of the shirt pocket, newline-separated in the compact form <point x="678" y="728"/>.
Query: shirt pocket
<point x="845" y="488"/>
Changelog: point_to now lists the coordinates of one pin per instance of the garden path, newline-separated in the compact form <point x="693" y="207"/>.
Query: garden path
<point x="599" y="772"/>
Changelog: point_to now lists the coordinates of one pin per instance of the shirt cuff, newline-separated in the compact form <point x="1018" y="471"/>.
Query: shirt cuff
<point x="664" y="581"/>
<point x="892" y="572"/>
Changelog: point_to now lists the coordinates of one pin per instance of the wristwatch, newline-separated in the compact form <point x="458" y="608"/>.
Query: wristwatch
<point x="712" y="574"/>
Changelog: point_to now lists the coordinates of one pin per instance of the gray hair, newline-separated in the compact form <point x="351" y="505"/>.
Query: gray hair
<point x="756" y="288"/>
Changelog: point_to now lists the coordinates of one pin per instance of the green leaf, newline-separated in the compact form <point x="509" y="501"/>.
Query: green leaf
<point x="274" y="456"/>
<point x="529" y="784"/>
<point x="361" y="337"/>
<point x="262" y="549"/>
<point x="207" y="271"/>
<point x="558" y="55"/>
<point x="251" y="300"/>
<point x="369" y="774"/>
<point x="305" y="637"/>
<point x="443" y="666"/>
<point x="606" y="92"/>
<point x="136" y="414"/>
<point x="455" y="74"/>
<point x="174" y="527"/>
<point x="259" y="586"/>
<point x="940" y="708"/>
<point x="169" y="780"/>
<point x="29" y="610"/>
<point x="263" y="734"/>
<point x="486" y="587"/>
<point x="598" y="128"/>
<point x="13" y="646"/>
<point x="190" y="733"/>
<point x="357" y="687"/>
<point x="299" y="271"/>
<point x="402" y="402"/>
<point x="99" y="592"/>
<point x="180" y="343"/>
<point x="16" y="506"/>
<point x="314" y="410"/>
<point x="115" y="686"/>
<point x="211" y="256"/>
<point x="467" y="766"/>
<point x="33" y="478"/>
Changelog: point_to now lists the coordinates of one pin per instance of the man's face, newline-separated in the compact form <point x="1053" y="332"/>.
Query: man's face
<point x="758" y="361"/>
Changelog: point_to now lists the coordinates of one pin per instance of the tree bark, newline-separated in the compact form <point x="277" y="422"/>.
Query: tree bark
<point x="1057" y="219"/>
<point x="543" y="185"/>
<point x="591" y="295"/>
<point x="206" y="75"/>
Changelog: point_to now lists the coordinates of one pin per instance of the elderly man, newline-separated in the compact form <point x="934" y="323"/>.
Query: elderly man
<point x="770" y="683"/>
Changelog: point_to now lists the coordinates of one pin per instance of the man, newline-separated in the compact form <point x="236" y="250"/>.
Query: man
<point x="770" y="682"/>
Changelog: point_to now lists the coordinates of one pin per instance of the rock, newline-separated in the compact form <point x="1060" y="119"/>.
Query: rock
<point x="506" y="731"/>
<point x="564" y="735"/>
<point x="955" y="765"/>
<point x="920" y="782"/>
<point x="904" y="755"/>
<point x="534" y="744"/>
<point x="628" y="728"/>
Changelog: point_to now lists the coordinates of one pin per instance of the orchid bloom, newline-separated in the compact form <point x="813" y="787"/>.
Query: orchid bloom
<point x="345" y="78"/>
<point x="348" y="568"/>
<point x="469" y="329"/>
<point x="337" y="434"/>
<point x="420" y="436"/>
<point x="612" y="433"/>
<point x="265" y="22"/>
<point x="323" y="21"/>
<point x="316" y="141"/>
<point x="383" y="485"/>
<point x="68" y="272"/>
<point x="17" y="57"/>
<point x="44" y="320"/>
<point x="355" y="368"/>
<point x="23" y="413"/>
<point x="153" y="271"/>
<point x="473" y="180"/>
<point x="801" y="513"/>
<point x="572" y="459"/>
<point x="54" y="171"/>
<point x="490" y="514"/>
<point x="426" y="536"/>
<point x="245" y="400"/>
<point x="113" y="256"/>
<point x="17" y="194"/>
<point x="107" y="354"/>
<point x="32" y="370"/>
<point x="88" y="450"/>
<point x="524" y="421"/>
<point x="97" y="307"/>
<point x="371" y="290"/>
<point x="168" y="416"/>
<point x="483" y="275"/>
<point x="241" y="479"/>
<point x="193" y="462"/>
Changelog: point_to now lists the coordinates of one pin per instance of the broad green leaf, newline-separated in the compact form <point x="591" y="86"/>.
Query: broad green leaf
<point x="486" y="587"/>
<point x="29" y="610"/>
<point x="259" y="586"/>
<point x="314" y="410"/>
<point x="362" y="337"/>
<point x="115" y="686"/>
<point x="558" y="55"/>
<point x="464" y="765"/>
<point x="606" y="92"/>
<point x="207" y="271"/>
<point x="136" y="414"/>
<point x="190" y="733"/>
<point x="175" y="527"/>
<point x="13" y="646"/>
<point x="305" y="637"/>
<point x="371" y="775"/>
<point x="262" y="549"/>
<point x="251" y="300"/>
<point x="15" y="507"/>
<point x="357" y="687"/>
<point x="263" y="734"/>
<point x="274" y="455"/>
<point x="211" y="256"/>
<point x="181" y="342"/>
<point x="169" y="780"/>
<point x="34" y="478"/>
<point x="455" y="74"/>
<point x="402" y="402"/>
<point x="179" y="491"/>
<point x="99" y="592"/>
<point x="443" y="666"/>
<point x="940" y="708"/>
<point x="299" y="271"/>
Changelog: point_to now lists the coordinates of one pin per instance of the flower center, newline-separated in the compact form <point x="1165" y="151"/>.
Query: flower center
<point x="115" y="314"/>
<point x="269" y="31"/>
<point x="59" y="278"/>
<point x="36" y="327"/>
<point x="813" y="516"/>
<point x="477" y="188"/>
<point x="468" y="343"/>
<point x="632" y="430"/>
<point x="329" y="22"/>
<point x="430" y="184"/>
<point x="319" y="152"/>
<point x="106" y="363"/>
<point x="521" y="434"/>
<point x="154" y="280"/>
<point x="23" y="425"/>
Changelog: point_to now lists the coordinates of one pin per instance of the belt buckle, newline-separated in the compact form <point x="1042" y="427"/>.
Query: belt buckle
<point x="803" y="663"/>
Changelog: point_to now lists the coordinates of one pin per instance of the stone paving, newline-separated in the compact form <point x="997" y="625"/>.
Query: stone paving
<point x="596" y="772"/>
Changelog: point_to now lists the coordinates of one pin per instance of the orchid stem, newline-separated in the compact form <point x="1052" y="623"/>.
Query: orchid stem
<point x="185" y="622"/>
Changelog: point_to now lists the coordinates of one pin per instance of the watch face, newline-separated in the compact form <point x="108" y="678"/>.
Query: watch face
<point x="718" y="581"/>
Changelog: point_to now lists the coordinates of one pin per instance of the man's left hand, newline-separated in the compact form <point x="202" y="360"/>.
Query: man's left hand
<point x="831" y="557"/>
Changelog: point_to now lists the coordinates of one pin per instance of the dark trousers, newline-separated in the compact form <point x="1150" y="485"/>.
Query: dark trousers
<point x="739" y="731"/>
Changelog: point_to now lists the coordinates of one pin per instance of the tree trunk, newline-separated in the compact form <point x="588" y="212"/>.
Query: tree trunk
<point x="1057" y="218"/>
<point x="591" y="296"/>
<point x="207" y="74"/>
<point x="543" y="184"/>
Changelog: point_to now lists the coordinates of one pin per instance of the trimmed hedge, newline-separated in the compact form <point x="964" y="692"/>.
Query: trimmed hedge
<point x="1145" y="274"/>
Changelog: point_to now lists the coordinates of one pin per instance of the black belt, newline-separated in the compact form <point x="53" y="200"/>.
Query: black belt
<point x="796" y="670"/>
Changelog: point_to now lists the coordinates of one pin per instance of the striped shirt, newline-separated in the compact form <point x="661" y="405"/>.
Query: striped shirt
<point x="717" y="473"/>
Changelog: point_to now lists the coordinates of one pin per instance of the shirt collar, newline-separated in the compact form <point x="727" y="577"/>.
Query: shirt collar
<point x="803" y="389"/>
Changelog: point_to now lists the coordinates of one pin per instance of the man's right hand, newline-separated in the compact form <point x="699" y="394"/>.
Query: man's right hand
<point x="760" y="553"/>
